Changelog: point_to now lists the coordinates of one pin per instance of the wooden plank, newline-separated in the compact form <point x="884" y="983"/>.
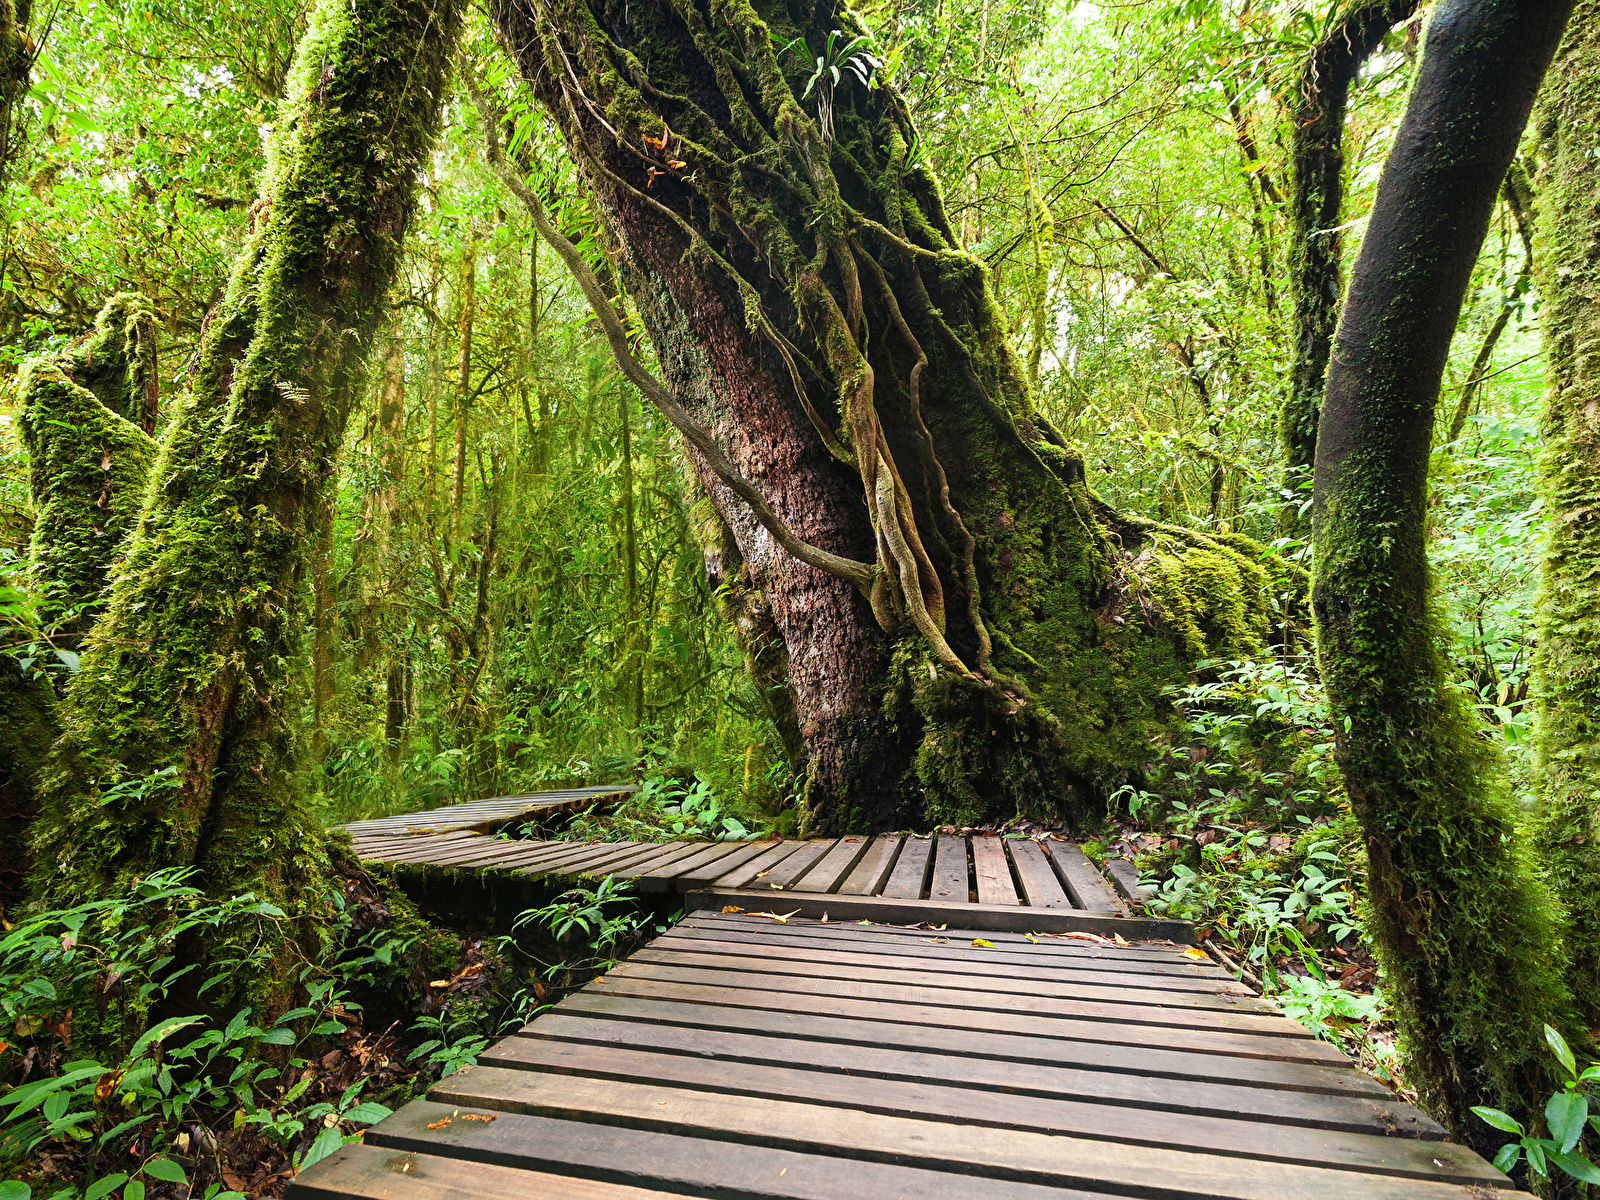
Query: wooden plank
<point x="707" y="872"/>
<point x="950" y="884"/>
<point x="835" y="866"/>
<point x="795" y="865"/>
<point x="640" y="852"/>
<point x="1024" y="1155"/>
<point x="992" y="872"/>
<point x="672" y="852"/>
<point x="909" y="879"/>
<point x="859" y="1090"/>
<point x="659" y="878"/>
<point x="425" y="850"/>
<point x="1125" y="878"/>
<point x="812" y="967"/>
<point x="1111" y="1010"/>
<point x="1083" y="882"/>
<point x="870" y="874"/>
<point x="957" y="954"/>
<point x="1347" y="1113"/>
<point x="750" y="874"/>
<point x="824" y="1001"/>
<point x="979" y="918"/>
<point x="689" y="1166"/>
<point x="1040" y="888"/>
<point x="977" y="964"/>
<point x="1046" y="1047"/>
<point x="362" y="1172"/>
<point x="1034" y="944"/>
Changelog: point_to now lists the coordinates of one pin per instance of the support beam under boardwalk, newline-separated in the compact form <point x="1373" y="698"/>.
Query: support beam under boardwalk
<point x="742" y="1056"/>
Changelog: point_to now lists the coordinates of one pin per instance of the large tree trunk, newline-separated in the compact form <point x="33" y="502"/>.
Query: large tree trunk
<point x="196" y="662"/>
<point x="1316" y="199"/>
<point x="86" y="473"/>
<point x="1568" y="661"/>
<point x="969" y="636"/>
<point x="1469" y="938"/>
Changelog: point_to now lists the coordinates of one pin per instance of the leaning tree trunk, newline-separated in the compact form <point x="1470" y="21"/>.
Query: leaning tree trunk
<point x="86" y="474"/>
<point x="1568" y="661"/>
<point x="963" y="625"/>
<point x="1316" y="199"/>
<point x="195" y="663"/>
<point x="1469" y="938"/>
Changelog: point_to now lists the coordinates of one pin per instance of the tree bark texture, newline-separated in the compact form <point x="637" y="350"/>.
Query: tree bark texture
<point x="196" y="662"/>
<point x="972" y="640"/>
<point x="1568" y="659"/>
<point x="1468" y="935"/>
<point x="1316" y="200"/>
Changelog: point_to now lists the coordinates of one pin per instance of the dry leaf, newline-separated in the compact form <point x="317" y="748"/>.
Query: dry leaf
<point x="779" y="917"/>
<point x="1120" y="940"/>
<point x="479" y="1116"/>
<point x="1192" y="952"/>
<point x="984" y="942"/>
<point x="763" y="874"/>
<point x="732" y="908"/>
<point x="824" y="917"/>
<point x="677" y="164"/>
<point x="1090" y="937"/>
<point x="437" y="1124"/>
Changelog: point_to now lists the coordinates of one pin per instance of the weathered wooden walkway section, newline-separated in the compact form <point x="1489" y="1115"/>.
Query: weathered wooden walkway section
<point x="737" y="1056"/>
<point x="981" y="882"/>
<point x="745" y="1057"/>
<point x="484" y="816"/>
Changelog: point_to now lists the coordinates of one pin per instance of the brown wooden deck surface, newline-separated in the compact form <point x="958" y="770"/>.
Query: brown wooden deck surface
<point x="739" y="1056"/>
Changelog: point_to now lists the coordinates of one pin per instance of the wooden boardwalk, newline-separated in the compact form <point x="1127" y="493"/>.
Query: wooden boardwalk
<point x="739" y="1056"/>
<point x="982" y="882"/>
<point x="483" y="816"/>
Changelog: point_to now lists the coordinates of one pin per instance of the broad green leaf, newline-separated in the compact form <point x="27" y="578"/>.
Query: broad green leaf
<point x="1499" y="1120"/>
<point x="12" y="1190"/>
<point x="161" y="1032"/>
<point x="165" y="1170"/>
<point x="134" y="1190"/>
<point x="327" y="1142"/>
<point x="278" y="1037"/>
<point x="1510" y="1154"/>
<point x="1577" y="1166"/>
<point x="368" y="1113"/>
<point x="104" y="1186"/>
<point x="1562" y="1050"/>
<point x="1566" y="1113"/>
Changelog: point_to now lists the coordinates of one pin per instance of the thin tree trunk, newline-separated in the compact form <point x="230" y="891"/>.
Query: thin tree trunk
<point x="630" y="562"/>
<point x="1316" y="201"/>
<point x="1567" y="663"/>
<point x="194" y="664"/>
<point x="468" y="294"/>
<point x="1468" y="936"/>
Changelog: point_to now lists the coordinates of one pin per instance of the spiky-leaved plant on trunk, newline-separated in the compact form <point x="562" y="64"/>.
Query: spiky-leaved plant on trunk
<point x="196" y="662"/>
<point x="1468" y="936"/>
<point x="1568" y="662"/>
<point x="961" y="628"/>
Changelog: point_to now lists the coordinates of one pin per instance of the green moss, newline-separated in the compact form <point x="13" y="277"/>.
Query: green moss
<point x="116" y="360"/>
<point x="1567" y="665"/>
<point x="87" y="469"/>
<point x="196" y="662"/>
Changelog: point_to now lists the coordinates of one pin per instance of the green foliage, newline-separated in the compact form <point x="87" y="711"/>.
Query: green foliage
<point x="1567" y="1117"/>
<point x="96" y="973"/>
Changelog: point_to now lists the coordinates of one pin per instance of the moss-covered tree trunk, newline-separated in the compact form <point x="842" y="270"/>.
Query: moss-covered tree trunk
<point x="1316" y="198"/>
<point x="1469" y="938"/>
<point x="1568" y="661"/>
<point x="196" y="662"/>
<point x="86" y="474"/>
<point x="965" y="636"/>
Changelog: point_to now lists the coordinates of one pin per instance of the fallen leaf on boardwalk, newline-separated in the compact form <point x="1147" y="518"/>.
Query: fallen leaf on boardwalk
<point x="1120" y="940"/>
<point x="824" y="916"/>
<point x="1031" y="938"/>
<point x="479" y="1116"/>
<point x="779" y="917"/>
<point x="660" y="1101"/>
<point x="732" y="908"/>
<point x="863" y="922"/>
<point x="440" y="1124"/>
<point x="1191" y="952"/>
<point x="1089" y="937"/>
<point x="983" y="942"/>
<point x="763" y="874"/>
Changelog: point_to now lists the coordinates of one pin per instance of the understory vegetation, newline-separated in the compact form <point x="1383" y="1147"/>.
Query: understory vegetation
<point x="512" y="572"/>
